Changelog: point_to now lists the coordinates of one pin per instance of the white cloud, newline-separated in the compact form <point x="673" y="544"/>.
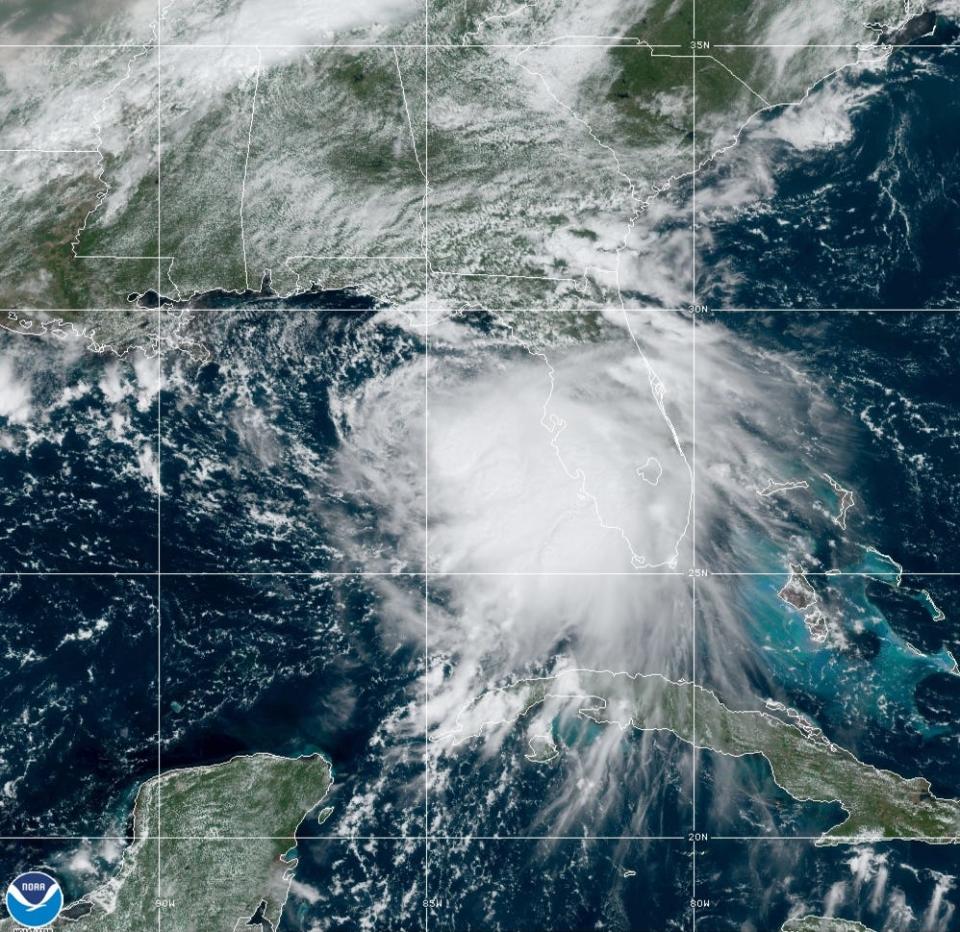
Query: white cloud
<point x="148" y="466"/>
<point x="147" y="371"/>
<point x="304" y="891"/>
<point x="14" y="393"/>
<point x="303" y="21"/>
<point x="112" y="385"/>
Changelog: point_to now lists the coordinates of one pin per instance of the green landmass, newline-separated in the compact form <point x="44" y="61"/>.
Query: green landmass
<point x="733" y="81"/>
<point x="542" y="162"/>
<point x="115" y="332"/>
<point x="823" y="924"/>
<point x="879" y="803"/>
<point x="208" y="849"/>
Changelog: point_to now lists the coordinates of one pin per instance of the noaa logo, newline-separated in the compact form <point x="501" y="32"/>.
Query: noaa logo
<point x="34" y="899"/>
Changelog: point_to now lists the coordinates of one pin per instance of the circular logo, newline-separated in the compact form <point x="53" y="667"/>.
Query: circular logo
<point x="34" y="899"/>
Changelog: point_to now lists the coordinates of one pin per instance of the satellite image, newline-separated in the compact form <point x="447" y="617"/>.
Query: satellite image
<point x="480" y="465"/>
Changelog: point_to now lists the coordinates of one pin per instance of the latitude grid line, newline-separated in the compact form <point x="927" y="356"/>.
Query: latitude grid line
<point x="387" y="574"/>
<point x="359" y="837"/>
<point x="159" y="573"/>
<point x="614" y="42"/>
<point x="836" y="840"/>
<point x="586" y="309"/>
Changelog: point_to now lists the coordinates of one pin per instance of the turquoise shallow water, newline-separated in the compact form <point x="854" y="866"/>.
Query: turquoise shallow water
<point x="311" y="670"/>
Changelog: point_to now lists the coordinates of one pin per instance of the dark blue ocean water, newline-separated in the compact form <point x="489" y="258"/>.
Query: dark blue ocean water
<point x="294" y="664"/>
<point x="250" y="440"/>
<point x="871" y="222"/>
<point x="69" y="499"/>
<point x="894" y="378"/>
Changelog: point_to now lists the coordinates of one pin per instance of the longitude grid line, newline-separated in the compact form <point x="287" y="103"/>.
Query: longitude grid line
<point x="159" y="573"/>
<point x="159" y="471"/>
<point x="693" y="456"/>
<point x="426" y="463"/>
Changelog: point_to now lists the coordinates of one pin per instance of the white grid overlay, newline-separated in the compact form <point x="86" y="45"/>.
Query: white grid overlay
<point x="159" y="573"/>
<point x="159" y="842"/>
<point x="426" y="463"/>
<point x="693" y="464"/>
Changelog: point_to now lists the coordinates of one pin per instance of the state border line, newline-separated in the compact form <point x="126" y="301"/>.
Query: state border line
<point x="159" y="573"/>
